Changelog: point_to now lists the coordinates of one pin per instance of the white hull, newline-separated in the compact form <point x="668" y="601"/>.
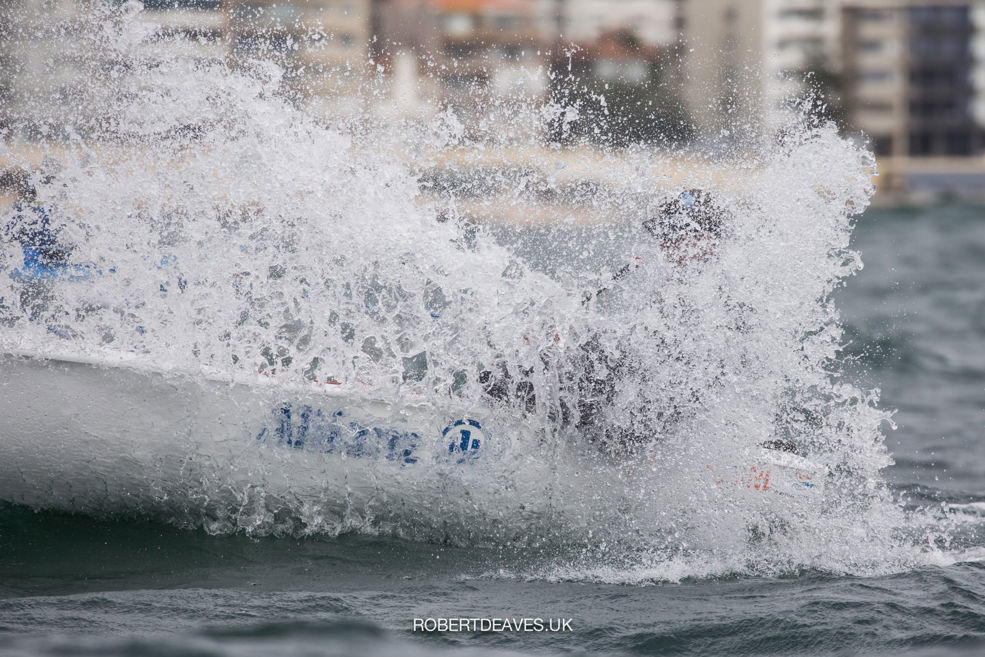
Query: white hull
<point x="126" y="437"/>
<point x="73" y="430"/>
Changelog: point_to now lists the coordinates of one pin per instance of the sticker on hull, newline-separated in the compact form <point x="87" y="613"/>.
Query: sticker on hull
<point x="303" y="426"/>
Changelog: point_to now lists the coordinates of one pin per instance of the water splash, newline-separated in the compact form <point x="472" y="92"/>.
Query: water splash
<point x="238" y="255"/>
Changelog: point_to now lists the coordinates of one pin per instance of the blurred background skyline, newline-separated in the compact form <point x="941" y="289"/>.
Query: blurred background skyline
<point x="909" y="75"/>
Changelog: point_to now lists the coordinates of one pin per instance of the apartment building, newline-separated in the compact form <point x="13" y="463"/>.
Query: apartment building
<point x="461" y="55"/>
<point x="654" y="22"/>
<point x="323" y="46"/>
<point x="915" y="75"/>
<point x="47" y="53"/>
<point x="35" y="60"/>
<point x="50" y="54"/>
<point x="910" y="73"/>
<point x="746" y="59"/>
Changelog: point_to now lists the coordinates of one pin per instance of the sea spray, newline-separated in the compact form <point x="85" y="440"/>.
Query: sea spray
<point x="246" y="255"/>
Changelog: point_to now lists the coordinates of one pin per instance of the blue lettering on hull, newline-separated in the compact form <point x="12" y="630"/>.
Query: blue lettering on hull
<point x="306" y="427"/>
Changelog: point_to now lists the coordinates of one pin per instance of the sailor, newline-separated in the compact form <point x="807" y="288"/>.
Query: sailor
<point x="690" y="227"/>
<point x="47" y="254"/>
<point x="30" y="225"/>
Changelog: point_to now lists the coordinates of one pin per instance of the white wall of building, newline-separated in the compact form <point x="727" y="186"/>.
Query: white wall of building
<point x="796" y="35"/>
<point x="583" y="21"/>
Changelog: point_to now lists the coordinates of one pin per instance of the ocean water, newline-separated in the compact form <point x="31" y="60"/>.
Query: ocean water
<point x="294" y="386"/>
<point x="77" y="584"/>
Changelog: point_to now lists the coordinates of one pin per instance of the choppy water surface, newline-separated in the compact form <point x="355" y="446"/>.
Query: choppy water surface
<point x="72" y="584"/>
<point x="75" y="585"/>
<point x="235" y="256"/>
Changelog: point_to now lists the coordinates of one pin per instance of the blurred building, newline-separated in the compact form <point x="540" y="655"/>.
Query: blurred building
<point x="404" y="37"/>
<point x="745" y="59"/>
<point x="186" y="28"/>
<point x="462" y="55"/>
<point x="908" y="73"/>
<point x="915" y="75"/>
<point x="489" y="45"/>
<point x="48" y="52"/>
<point x="585" y="21"/>
<point x="323" y="46"/>
<point x="616" y="90"/>
<point x="49" y="57"/>
<point x="38" y="61"/>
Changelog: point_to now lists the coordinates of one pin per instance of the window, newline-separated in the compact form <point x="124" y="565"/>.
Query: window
<point x="812" y="47"/>
<point x="506" y="22"/>
<point x="883" y="145"/>
<point x="871" y="45"/>
<point x="875" y="15"/>
<point x="922" y="46"/>
<point x="921" y="143"/>
<point x="807" y="14"/>
<point x="875" y="75"/>
<point x="930" y="46"/>
<point x="948" y="76"/>
<point x="878" y="107"/>
<point x="458" y="24"/>
<point x="933" y="109"/>
<point x="957" y="143"/>
<point x="940" y="15"/>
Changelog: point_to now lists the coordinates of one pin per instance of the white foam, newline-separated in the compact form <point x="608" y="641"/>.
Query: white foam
<point x="237" y="234"/>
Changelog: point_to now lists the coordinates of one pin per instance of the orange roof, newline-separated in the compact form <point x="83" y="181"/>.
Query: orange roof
<point x="479" y="5"/>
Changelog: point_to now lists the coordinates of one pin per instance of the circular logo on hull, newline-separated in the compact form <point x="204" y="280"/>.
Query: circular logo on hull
<point x="465" y="437"/>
